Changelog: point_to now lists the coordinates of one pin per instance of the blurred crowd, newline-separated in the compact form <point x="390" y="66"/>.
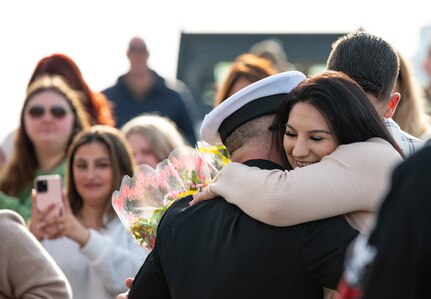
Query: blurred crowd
<point x="341" y="203"/>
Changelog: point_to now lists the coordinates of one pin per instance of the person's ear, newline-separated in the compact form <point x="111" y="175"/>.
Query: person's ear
<point x="392" y="105"/>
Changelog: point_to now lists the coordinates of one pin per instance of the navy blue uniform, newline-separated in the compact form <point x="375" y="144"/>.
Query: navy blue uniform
<point x="214" y="250"/>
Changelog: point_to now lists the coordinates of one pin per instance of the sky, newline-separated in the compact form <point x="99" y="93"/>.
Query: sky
<point x="96" y="33"/>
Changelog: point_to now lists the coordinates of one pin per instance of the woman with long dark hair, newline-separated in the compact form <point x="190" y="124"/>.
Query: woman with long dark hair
<point x="339" y="152"/>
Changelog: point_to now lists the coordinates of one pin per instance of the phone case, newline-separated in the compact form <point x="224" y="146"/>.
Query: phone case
<point x="49" y="191"/>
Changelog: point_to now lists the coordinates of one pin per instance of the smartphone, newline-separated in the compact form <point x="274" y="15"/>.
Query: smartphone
<point x="49" y="191"/>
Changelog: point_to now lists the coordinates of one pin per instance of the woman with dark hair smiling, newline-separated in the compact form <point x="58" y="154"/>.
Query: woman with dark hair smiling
<point x="341" y="157"/>
<point x="88" y="241"/>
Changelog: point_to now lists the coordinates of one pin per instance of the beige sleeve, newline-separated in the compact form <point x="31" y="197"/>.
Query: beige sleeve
<point x="30" y="271"/>
<point x="355" y="177"/>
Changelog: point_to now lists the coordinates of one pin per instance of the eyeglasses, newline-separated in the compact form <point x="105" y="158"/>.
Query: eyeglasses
<point x="37" y="111"/>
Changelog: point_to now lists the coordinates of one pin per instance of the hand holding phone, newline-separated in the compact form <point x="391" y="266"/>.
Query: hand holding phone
<point x="49" y="192"/>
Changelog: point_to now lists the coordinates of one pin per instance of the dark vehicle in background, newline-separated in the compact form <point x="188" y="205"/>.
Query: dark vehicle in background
<point x="204" y="58"/>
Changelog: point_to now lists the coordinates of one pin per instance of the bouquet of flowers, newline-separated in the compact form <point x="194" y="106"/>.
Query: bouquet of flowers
<point x="142" y="199"/>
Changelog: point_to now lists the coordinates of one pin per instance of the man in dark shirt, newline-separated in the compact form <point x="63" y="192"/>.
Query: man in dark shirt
<point x="142" y="90"/>
<point x="214" y="250"/>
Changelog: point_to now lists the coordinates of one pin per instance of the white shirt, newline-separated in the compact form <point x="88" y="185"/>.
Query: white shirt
<point x="98" y="270"/>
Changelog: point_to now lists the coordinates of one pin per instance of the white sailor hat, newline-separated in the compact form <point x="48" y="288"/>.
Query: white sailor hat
<point x="257" y="99"/>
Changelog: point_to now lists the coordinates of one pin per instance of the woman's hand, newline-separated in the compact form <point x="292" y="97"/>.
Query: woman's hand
<point x="66" y="225"/>
<point x="203" y="194"/>
<point x="37" y="218"/>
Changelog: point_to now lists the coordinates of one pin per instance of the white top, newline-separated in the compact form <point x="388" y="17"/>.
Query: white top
<point x="98" y="270"/>
<point x="354" y="178"/>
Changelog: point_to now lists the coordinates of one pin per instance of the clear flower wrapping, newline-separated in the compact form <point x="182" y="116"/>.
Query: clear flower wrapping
<point x="142" y="199"/>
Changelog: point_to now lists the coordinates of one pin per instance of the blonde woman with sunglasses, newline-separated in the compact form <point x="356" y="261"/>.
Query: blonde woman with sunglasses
<point x="51" y="116"/>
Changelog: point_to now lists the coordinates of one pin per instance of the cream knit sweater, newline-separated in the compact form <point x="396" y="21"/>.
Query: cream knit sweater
<point x="352" y="181"/>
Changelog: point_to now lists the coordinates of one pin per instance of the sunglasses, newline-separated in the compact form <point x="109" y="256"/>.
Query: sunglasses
<point x="56" y="111"/>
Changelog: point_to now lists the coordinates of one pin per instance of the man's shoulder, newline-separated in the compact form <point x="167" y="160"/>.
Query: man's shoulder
<point x="395" y="131"/>
<point x="177" y="208"/>
<point x="164" y="85"/>
<point x="182" y="212"/>
<point x="115" y="88"/>
<point x="10" y="222"/>
<point x="10" y="216"/>
<point x="182" y="205"/>
<point x="408" y="143"/>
